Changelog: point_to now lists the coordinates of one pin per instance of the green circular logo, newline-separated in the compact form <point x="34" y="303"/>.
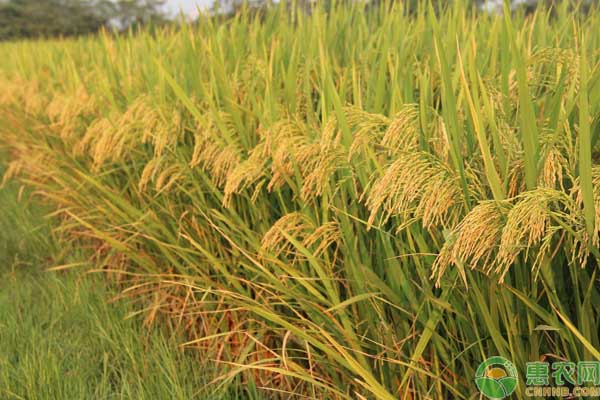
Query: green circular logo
<point x="496" y="378"/>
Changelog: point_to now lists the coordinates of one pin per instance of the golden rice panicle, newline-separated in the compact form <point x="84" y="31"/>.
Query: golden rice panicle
<point x="559" y="59"/>
<point x="13" y="169"/>
<point x="112" y="137"/>
<point x="24" y="93"/>
<point x="169" y="177"/>
<point x="94" y="130"/>
<point x="212" y="153"/>
<point x="251" y="172"/>
<point x="553" y="171"/>
<point x="36" y="166"/>
<point x="415" y="183"/>
<point x="295" y="225"/>
<point x="102" y="137"/>
<point x="66" y="110"/>
<point x="111" y="141"/>
<point x="148" y="173"/>
<point x="35" y="102"/>
<point x="403" y="132"/>
<point x="323" y="238"/>
<point x="494" y="234"/>
<point x="584" y="241"/>
<point x="296" y="153"/>
<point x="369" y="128"/>
<point x="246" y="174"/>
<point x="223" y="162"/>
<point x="437" y="206"/>
<point x="287" y="128"/>
<point x="439" y="142"/>
<point x="330" y="135"/>
<point x="153" y="124"/>
<point x="289" y="148"/>
<point x="162" y="172"/>
<point x="318" y="179"/>
<point x="393" y="193"/>
<point x="290" y="145"/>
<point x="516" y="178"/>
<point x="8" y="94"/>
<point x="528" y="223"/>
<point x="319" y="162"/>
<point x="364" y="120"/>
<point x="475" y="239"/>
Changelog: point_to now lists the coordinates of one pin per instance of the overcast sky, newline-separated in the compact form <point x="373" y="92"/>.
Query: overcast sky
<point x="187" y="6"/>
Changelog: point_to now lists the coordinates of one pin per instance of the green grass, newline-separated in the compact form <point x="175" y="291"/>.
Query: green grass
<point x="60" y="339"/>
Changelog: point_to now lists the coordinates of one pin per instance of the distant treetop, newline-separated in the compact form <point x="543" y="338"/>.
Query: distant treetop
<point x="51" y="18"/>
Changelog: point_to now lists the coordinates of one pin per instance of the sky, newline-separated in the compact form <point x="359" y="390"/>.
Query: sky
<point x="189" y="7"/>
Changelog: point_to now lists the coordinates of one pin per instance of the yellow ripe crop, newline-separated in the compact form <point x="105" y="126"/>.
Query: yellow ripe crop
<point x="360" y="202"/>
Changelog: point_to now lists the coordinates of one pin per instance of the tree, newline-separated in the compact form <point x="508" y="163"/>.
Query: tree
<point x="50" y="18"/>
<point x="132" y="13"/>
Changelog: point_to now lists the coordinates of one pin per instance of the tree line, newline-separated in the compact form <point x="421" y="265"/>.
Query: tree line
<point x="52" y="18"/>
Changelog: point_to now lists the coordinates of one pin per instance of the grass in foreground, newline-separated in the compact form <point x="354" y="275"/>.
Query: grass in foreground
<point x="59" y="339"/>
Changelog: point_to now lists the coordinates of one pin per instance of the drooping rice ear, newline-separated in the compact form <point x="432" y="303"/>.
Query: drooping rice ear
<point x="13" y="170"/>
<point x="585" y="240"/>
<point x="323" y="238"/>
<point x="213" y="154"/>
<point x="525" y="227"/>
<point x="285" y="143"/>
<point x="317" y="179"/>
<point x="93" y="131"/>
<point x="148" y="173"/>
<point x="474" y="241"/>
<point x="296" y="225"/>
<point x="416" y="185"/>
<point x="294" y="153"/>
<point x="395" y="192"/>
<point x="168" y="177"/>
<point x="439" y="141"/>
<point x="534" y="220"/>
<point x="362" y="119"/>
<point x="437" y="206"/>
<point x="104" y="143"/>
<point x="35" y="102"/>
<point x="246" y="174"/>
<point x="370" y="128"/>
<point x="553" y="170"/>
<point x="558" y="59"/>
<point x="403" y="132"/>
<point x="516" y="178"/>
<point x="65" y="112"/>
<point x="319" y="161"/>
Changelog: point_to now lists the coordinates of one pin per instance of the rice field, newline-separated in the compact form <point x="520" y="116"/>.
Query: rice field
<point x="68" y="335"/>
<point x="348" y="201"/>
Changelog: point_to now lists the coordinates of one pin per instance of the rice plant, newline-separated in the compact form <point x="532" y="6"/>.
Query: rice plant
<point x="352" y="202"/>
